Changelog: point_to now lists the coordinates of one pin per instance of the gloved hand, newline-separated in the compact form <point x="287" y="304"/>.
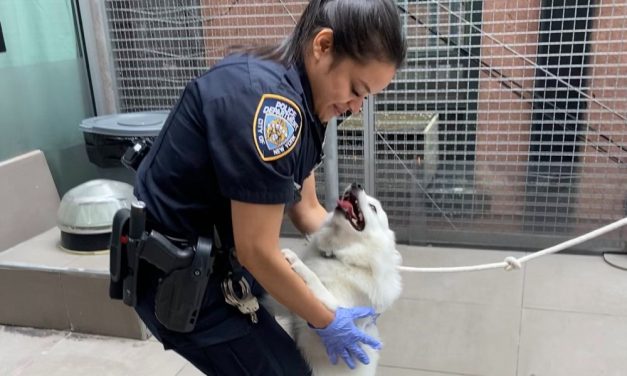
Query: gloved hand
<point x="341" y="337"/>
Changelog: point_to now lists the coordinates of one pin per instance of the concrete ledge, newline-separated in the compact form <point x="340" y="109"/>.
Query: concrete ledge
<point x="43" y="286"/>
<point x="28" y="198"/>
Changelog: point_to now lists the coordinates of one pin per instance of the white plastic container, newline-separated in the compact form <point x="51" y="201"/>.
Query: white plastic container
<point x="86" y="213"/>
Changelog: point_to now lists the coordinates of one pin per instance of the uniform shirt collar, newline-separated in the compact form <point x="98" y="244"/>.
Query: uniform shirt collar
<point x="298" y="77"/>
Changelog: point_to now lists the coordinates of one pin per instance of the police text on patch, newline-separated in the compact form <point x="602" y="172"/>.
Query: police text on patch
<point x="277" y="126"/>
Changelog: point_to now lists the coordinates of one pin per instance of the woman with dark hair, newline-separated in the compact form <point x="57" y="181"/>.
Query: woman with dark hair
<point x="238" y="149"/>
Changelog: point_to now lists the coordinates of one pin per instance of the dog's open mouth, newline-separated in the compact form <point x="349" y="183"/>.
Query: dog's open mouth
<point x="349" y="204"/>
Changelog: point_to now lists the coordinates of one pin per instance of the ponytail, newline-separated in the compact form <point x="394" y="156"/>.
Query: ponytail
<point x="362" y="30"/>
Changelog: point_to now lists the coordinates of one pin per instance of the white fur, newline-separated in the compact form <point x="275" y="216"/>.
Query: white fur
<point x="362" y="272"/>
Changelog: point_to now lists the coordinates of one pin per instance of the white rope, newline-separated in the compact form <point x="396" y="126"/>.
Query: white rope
<point x="513" y="263"/>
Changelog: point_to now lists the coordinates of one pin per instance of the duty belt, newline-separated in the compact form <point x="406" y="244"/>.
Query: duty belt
<point x="187" y="270"/>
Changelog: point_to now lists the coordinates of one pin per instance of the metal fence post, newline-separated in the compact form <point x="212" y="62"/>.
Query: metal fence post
<point x="331" y="179"/>
<point x="369" y="145"/>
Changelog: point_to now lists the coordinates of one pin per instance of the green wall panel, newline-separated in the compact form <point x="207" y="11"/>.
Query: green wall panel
<point x="44" y="92"/>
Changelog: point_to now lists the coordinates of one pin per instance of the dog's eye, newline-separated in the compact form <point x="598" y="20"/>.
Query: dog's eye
<point x="374" y="208"/>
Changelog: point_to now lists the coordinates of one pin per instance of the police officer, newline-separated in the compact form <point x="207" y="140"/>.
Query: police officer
<point x="237" y="150"/>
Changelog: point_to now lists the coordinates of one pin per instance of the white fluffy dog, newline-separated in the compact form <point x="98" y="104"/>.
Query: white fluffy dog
<point x="351" y="261"/>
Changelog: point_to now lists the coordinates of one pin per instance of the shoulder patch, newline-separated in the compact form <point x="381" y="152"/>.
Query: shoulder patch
<point x="276" y="127"/>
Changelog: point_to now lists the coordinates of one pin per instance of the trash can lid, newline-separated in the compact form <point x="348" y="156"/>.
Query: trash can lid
<point x="146" y="124"/>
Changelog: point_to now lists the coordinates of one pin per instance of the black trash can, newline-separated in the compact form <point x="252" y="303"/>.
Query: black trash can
<point x="108" y="137"/>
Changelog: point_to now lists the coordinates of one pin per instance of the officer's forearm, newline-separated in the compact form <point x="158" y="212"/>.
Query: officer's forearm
<point x="276" y="276"/>
<point x="256" y="231"/>
<point x="308" y="215"/>
<point x="308" y="220"/>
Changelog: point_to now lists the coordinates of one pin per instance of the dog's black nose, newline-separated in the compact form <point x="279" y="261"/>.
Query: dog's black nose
<point x="356" y="186"/>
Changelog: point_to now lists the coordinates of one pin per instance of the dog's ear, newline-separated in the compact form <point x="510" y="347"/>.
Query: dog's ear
<point x="378" y="211"/>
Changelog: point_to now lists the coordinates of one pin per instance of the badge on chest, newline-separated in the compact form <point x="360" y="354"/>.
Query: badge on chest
<point x="276" y="127"/>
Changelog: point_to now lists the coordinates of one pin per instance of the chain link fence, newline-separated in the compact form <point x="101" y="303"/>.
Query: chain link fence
<point x="507" y="126"/>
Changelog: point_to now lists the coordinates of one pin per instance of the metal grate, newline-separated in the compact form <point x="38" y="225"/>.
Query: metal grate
<point x="530" y="98"/>
<point x="159" y="45"/>
<point x="507" y="126"/>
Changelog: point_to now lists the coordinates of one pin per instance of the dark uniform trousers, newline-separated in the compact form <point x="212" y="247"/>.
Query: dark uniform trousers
<point x="224" y="341"/>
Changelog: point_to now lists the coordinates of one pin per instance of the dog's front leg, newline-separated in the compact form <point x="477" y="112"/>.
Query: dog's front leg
<point x="311" y="280"/>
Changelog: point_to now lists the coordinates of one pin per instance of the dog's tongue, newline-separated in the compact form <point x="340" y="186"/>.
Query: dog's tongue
<point x="346" y="206"/>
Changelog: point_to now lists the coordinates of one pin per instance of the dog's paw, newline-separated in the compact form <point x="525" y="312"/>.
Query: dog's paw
<point x="297" y="265"/>
<point x="290" y="256"/>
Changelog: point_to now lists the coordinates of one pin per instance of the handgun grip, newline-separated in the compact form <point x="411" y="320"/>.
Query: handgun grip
<point x="160" y="252"/>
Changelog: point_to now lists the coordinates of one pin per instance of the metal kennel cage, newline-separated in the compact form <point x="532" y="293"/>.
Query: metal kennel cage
<point x="506" y="127"/>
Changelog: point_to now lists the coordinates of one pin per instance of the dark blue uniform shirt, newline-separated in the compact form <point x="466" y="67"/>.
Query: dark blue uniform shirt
<point x="245" y="131"/>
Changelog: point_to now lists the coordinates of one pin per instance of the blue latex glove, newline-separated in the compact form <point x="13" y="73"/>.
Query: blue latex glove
<point x="341" y="337"/>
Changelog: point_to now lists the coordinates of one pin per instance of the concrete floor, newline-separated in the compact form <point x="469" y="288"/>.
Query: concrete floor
<point x="560" y="315"/>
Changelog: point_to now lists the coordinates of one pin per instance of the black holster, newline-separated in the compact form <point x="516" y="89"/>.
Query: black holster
<point x="186" y="270"/>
